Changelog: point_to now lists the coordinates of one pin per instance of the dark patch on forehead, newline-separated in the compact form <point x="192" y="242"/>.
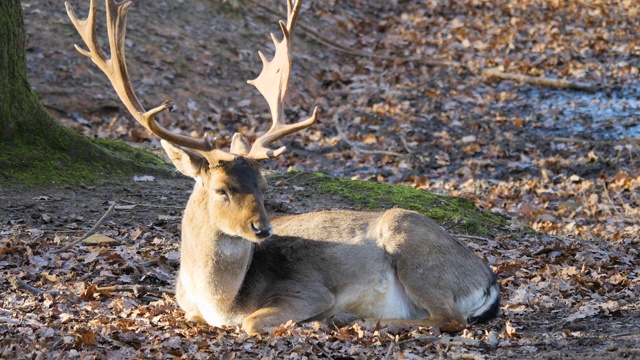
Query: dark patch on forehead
<point x="243" y="175"/>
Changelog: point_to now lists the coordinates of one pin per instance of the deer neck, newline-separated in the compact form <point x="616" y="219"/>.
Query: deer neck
<point x="219" y="261"/>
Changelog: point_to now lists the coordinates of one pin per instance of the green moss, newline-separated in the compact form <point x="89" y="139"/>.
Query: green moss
<point x="42" y="162"/>
<point x="140" y="158"/>
<point x="452" y="212"/>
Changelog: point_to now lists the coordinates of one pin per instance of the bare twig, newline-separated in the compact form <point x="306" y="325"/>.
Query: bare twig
<point x="580" y="141"/>
<point x="424" y="340"/>
<point x="20" y="284"/>
<point x="8" y="320"/>
<point x="444" y="340"/>
<point x="58" y="109"/>
<point x="632" y="142"/>
<point x="406" y="144"/>
<point x="472" y="237"/>
<point x="155" y="262"/>
<point x="313" y="34"/>
<point x="345" y="138"/>
<point x="557" y="83"/>
<point x="393" y="345"/>
<point x="613" y="205"/>
<point x="55" y="345"/>
<point x="455" y="340"/>
<point x="36" y="238"/>
<point x="151" y="205"/>
<point x="88" y="233"/>
<point x="136" y="289"/>
<point x="323" y="351"/>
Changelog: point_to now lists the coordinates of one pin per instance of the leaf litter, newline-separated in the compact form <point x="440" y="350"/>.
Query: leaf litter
<point x="561" y="164"/>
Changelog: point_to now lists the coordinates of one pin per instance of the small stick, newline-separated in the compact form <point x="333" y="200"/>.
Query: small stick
<point x="155" y="262"/>
<point x="456" y="341"/>
<point x="631" y="141"/>
<point x="425" y="340"/>
<point x="446" y="340"/>
<point x="557" y="83"/>
<point x="20" y="284"/>
<point x="613" y="206"/>
<point x="580" y="141"/>
<point x="136" y="289"/>
<point x="323" y="351"/>
<point x="89" y="233"/>
<point x="406" y="144"/>
<point x="8" y="320"/>
<point x="55" y="345"/>
<point x="152" y="205"/>
<point x="355" y="147"/>
<point x="473" y="237"/>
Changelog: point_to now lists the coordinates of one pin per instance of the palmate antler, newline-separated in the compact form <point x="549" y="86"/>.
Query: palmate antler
<point x="272" y="84"/>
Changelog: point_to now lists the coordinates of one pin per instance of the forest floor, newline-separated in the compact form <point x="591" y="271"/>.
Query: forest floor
<point x="402" y="98"/>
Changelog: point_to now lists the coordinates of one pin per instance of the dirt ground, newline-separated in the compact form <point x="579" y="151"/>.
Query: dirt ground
<point x="561" y="164"/>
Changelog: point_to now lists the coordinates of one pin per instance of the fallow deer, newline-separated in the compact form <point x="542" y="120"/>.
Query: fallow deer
<point x="237" y="266"/>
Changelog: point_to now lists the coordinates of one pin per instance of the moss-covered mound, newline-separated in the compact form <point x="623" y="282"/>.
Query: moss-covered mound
<point x="72" y="159"/>
<point x="458" y="214"/>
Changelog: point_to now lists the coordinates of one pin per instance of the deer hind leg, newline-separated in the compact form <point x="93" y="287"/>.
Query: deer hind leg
<point x="426" y="269"/>
<point x="431" y="292"/>
<point x="289" y="302"/>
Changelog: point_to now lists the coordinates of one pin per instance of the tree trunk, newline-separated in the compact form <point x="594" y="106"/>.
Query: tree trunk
<point x="34" y="148"/>
<point x="18" y="105"/>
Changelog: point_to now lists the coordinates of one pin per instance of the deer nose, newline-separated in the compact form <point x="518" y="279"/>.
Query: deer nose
<point x="261" y="233"/>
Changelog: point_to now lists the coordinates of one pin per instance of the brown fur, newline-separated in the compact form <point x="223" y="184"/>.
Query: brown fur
<point x="395" y="264"/>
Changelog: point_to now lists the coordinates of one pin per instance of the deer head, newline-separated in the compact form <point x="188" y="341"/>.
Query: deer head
<point x="228" y="182"/>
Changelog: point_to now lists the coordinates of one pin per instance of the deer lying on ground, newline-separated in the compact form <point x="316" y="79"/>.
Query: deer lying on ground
<point x="237" y="266"/>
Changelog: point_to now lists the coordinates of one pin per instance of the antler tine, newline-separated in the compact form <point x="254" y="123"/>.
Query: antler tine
<point x="272" y="84"/>
<point x="115" y="68"/>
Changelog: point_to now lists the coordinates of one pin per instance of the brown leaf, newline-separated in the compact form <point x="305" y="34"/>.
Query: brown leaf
<point x="370" y="139"/>
<point x="99" y="239"/>
<point x="85" y="337"/>
<point x="471" y="149"/>
<point x="511" y="330"/>
<point x="87" y="294"/>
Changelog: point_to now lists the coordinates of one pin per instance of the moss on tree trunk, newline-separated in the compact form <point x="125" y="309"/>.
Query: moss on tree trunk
<point x="34" y="148"/>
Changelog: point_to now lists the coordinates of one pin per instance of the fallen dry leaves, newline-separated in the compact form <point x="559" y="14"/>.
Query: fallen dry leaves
<point x="562" y="165"/>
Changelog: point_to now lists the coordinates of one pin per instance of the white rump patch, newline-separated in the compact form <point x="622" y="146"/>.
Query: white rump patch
<point x="478" y="302"/>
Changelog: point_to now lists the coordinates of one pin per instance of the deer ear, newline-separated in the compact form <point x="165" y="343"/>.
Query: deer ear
<point x="187" y="162"/>
<point x="239" y="145"/>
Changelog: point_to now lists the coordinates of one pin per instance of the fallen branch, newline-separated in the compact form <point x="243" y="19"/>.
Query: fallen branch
<point x="20" y="284"/>
<point x="345" y="138"/>
<point x="135" y="289"/>
<point x="543" y="81"/>
<point x="314" y="35"/>
<point x="88" y="233"/>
